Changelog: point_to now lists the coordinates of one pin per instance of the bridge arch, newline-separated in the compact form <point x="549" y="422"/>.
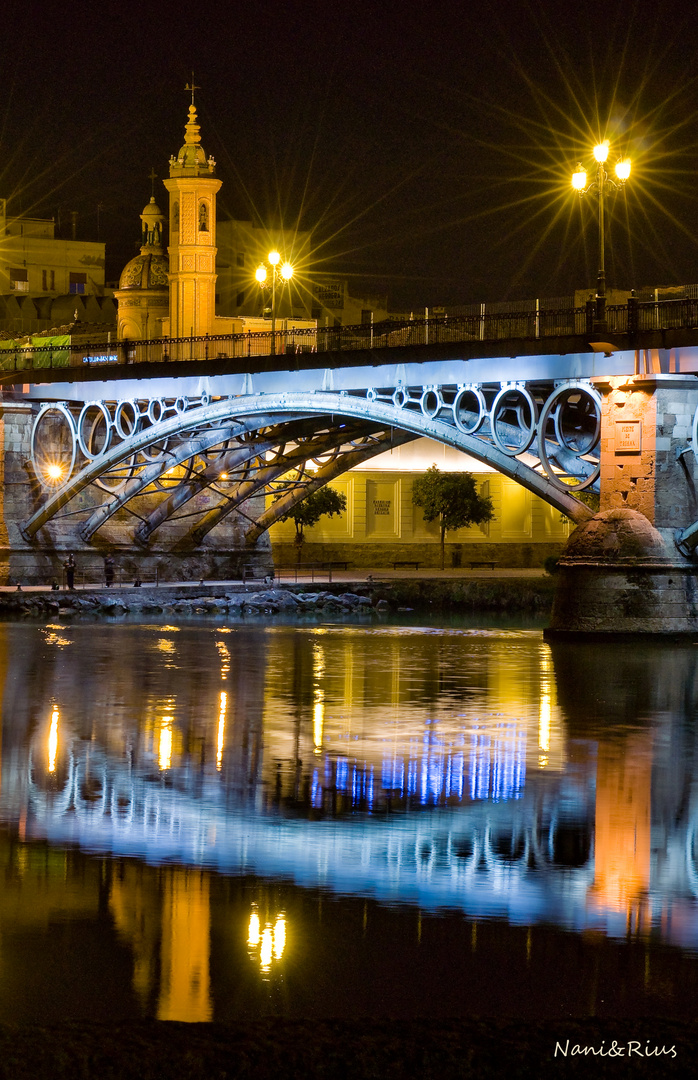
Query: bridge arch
<point x="543" y="436"/>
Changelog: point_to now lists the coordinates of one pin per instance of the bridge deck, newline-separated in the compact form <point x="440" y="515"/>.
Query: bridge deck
<point x="626" y="350"/>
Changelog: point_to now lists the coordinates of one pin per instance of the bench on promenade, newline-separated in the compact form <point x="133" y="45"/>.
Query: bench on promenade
<point x="406" y="562"/>
<point x="485" y="562"/>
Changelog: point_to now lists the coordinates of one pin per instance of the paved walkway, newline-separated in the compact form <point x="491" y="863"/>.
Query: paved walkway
<point x="307" y="577"/>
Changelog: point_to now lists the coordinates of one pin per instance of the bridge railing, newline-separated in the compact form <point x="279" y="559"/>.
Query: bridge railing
<point x="633" y="317"/>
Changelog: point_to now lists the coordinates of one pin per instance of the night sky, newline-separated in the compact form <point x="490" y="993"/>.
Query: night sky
<point x="429" y="146"/>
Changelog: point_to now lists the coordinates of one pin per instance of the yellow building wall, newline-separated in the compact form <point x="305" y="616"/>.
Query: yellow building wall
<point x="29" y="244"/>
<point x="381" y="515"/>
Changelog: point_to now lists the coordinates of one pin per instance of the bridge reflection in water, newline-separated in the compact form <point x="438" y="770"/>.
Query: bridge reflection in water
<point x="430" y="770"/>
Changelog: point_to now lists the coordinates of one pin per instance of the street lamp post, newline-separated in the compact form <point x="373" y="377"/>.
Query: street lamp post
<point x="599" y="184"/>
<point x="281" y="271"/>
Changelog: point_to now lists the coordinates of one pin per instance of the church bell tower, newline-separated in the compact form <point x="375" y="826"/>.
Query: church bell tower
<point x="192" y="186"/>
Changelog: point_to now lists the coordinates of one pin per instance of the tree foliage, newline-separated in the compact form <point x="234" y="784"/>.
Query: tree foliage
<point x="451" y="498"/>
<point x="326" y="501"/>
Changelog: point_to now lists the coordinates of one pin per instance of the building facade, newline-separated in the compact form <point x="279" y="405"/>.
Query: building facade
<point x="382" y="525"/>
<point x="33" y="261"/>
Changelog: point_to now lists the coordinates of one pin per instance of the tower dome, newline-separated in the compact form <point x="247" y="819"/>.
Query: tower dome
<point x="143" y="293"/>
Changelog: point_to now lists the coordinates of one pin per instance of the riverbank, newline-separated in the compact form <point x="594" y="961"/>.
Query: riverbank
<point x="530" y="595"/>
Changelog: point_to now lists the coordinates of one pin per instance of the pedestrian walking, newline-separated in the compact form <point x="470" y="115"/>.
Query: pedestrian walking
<point x="69" y="566"/>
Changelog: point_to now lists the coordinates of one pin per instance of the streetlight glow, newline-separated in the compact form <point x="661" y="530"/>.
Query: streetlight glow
<point x="623" y="170"/>
<point x="599" y="184"/>
<point x="579" y="178"/>
<point x="279" y="273"/>
<point x="54" y="472"/>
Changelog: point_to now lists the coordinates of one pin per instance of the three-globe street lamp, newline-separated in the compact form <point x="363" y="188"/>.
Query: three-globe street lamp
<point x="281" y="271"/>
<point x="599" y="184"/>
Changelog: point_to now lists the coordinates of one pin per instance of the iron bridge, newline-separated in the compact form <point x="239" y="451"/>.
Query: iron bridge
<point x="289" y="433"/>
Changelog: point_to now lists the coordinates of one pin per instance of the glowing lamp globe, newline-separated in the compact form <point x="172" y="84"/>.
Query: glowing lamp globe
<point x="273" y="258"/>
<point x="623" y="169"/>
<point x="579" y="179"/>
<point x="287" y="271"/>
<point x="601" y="151"/>
<point x="261" y="274"/>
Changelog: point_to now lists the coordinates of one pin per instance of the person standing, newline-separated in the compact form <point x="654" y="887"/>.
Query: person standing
<point x="69" y="565"/>
<point x="108" y="570"/>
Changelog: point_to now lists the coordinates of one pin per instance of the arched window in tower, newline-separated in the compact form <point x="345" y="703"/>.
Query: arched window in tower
<point x="203" y="217"/>
<point x="175" y="218"/>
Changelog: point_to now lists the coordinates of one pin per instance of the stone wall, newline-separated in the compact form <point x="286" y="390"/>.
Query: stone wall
<point x="428" y="554"/>
<point x="170" y="556"/>
<point x="647" y="421"/>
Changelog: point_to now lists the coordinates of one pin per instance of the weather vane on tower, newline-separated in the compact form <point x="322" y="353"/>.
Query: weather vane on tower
<point x="193" y="87"/>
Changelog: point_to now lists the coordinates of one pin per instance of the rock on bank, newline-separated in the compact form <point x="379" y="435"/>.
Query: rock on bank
<point x="503" y="595"/>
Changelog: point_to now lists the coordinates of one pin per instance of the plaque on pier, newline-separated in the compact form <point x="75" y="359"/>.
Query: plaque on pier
<point x="628" y="436"/>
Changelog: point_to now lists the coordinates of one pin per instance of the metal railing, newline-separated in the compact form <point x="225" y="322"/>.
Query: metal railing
<point x="475" y="326"/>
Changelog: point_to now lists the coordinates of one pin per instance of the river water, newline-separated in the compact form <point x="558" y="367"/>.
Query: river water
<point x="217" y="821"/>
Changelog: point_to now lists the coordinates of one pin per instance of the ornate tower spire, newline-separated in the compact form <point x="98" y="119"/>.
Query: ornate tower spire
<point x="192" y="186"/>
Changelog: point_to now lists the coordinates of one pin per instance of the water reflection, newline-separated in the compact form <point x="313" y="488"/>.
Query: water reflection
<point x="483" y="773"/>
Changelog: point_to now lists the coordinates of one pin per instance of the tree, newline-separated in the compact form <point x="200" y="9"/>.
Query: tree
<point x="326" y="501"/>
<point x="453" y="499"/>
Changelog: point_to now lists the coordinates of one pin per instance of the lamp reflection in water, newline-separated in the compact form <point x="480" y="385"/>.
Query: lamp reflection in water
<point x="545" y="709"/>
<point x="53" y="741"/>
<point x="165" y="749"/>
<point x="221" y="729"/>
<point x="266" y="944"/>
<point x="318" y="696"/>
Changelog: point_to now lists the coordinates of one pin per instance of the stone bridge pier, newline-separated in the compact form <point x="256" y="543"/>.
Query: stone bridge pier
<point x="632" y="567"/>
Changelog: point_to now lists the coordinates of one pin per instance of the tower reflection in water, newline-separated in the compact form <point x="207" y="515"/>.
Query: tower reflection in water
<point x="445" y="769"/>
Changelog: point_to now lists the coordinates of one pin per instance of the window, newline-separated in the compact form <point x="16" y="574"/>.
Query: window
<point x="78" y="283"/>
<point x="366" y="314"/>
<point x="240" y="300"/>
<point x="19" y="280"/>
<point x="241" y="258"/>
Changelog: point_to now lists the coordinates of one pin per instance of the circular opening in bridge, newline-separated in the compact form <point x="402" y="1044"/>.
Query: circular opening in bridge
<point x="400" y="397"/>
<point x="126" y="419"/>
<point x="574" y="430"/>
<point x="54" y="446"/>
<point x="577" y="422"/>
<point x="469" y="409"/>
<point x="156" y="410"/>
<point x="431" y="403"/>
<point x="181" y="405"/>
<point x="94" y="429"/>
<point x="513" y="420"/>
